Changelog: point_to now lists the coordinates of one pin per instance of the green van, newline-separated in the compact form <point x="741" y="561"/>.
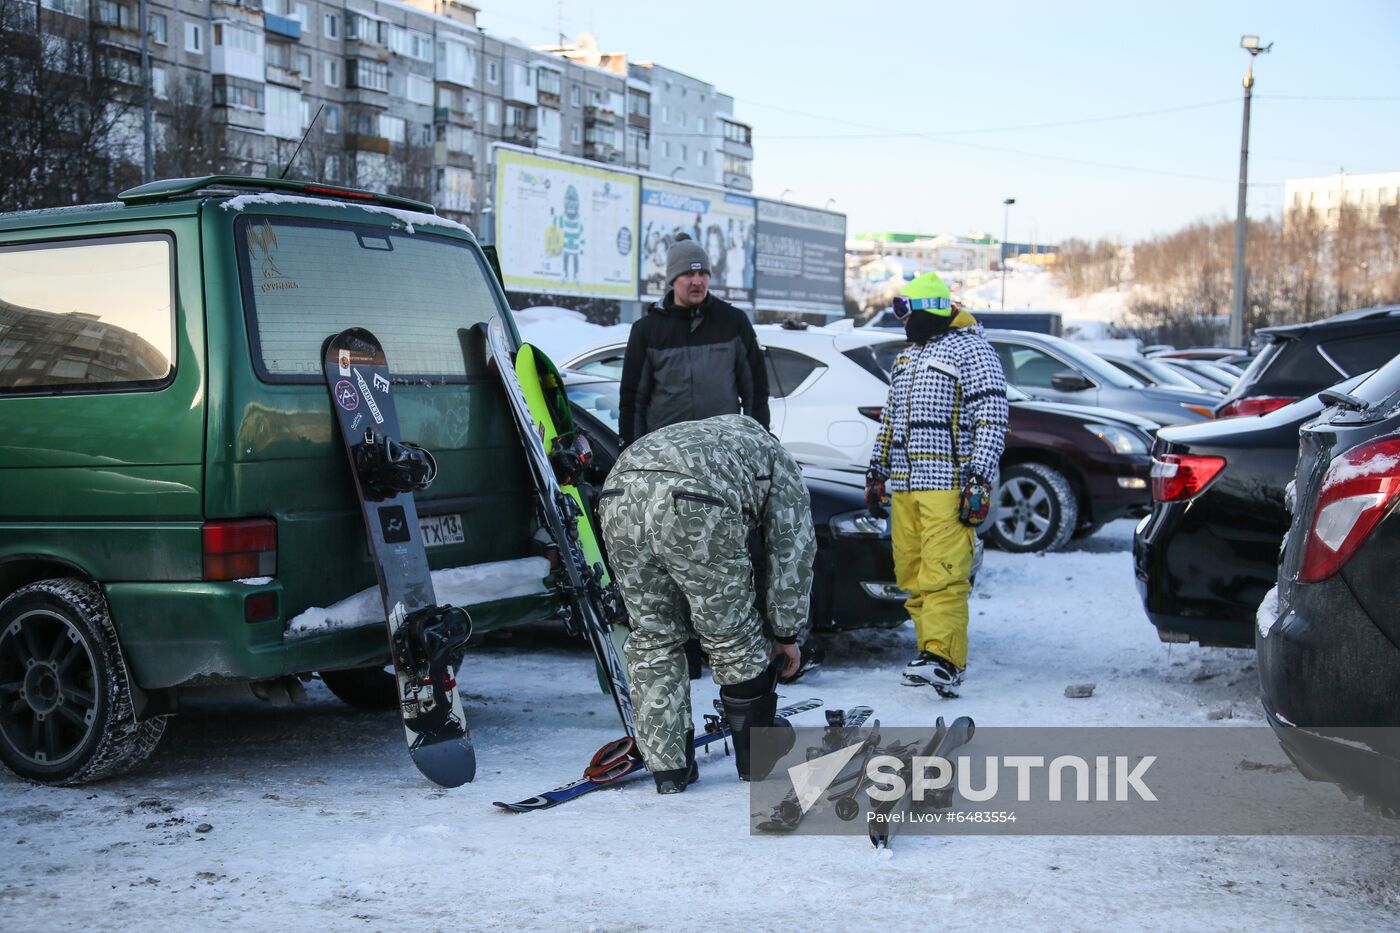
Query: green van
<point x="175" y="506"/>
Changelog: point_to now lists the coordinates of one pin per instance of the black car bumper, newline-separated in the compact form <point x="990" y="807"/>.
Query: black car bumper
<point x="1117" y="486"/>
<point x="1329" y="680"/>
<point x="854" y="587"/>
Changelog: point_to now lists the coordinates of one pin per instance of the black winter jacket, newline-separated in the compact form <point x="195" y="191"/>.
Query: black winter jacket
<point x="684" y="364"/>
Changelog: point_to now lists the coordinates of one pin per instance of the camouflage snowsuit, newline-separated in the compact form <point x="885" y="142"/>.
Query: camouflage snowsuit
<point x="676" y="513"/>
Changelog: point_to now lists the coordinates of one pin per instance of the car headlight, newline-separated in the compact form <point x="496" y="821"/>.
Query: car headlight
<point x="860" y="525"/>
<point x="1119" y="440"/>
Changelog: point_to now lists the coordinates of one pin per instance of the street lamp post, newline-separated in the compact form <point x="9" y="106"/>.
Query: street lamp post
<point x="1251" y="45"/>
<point x="1005" y="228"/>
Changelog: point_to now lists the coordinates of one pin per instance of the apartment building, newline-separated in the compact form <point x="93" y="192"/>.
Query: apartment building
<point x="404" y="96"/>
<point x="1328" y="194"/>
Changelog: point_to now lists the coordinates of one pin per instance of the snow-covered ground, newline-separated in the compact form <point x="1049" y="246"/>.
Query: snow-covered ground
<point x="312" y="817"/>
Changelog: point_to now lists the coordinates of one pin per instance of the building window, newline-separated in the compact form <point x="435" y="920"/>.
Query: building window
<point x="302" y="14"/>
<point x="639" y="104"/>
<point x="331" y="25"/>
<point x="158" y="28"/>
<point x="551" y="81"/>
<point x="700" y="126"/>
<point x="331" y="116"/>
<point x="703" y="157"/>
<point x="457" y="138"/>
<point x="493" y="112"/>
<point x="575" y="95"/>
<point x="332" y="75"/>
<point x="514" y="116"/>
<point x="666" y="149"/>
<point x="194" y="38"/>
<point x="493" y="72"/>
<point x="304" y="64"/>
<point x="574" y="136"/>
<point x="367" y="75"/>
<point x="393" y="129"/>
<point x="160" y="83"/>
<point x="364" y="29"/>
<point x="456" y="62"/>
<point x="284" y="112"/>
<point x="420" y="89"/>
<point x="237" y="93"/>
<point x="70" y="7"/>
<point x="685" y="152"/>
<point x="111" y="13"/>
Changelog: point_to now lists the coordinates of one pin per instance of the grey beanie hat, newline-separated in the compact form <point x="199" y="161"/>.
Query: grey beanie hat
<point x="685" y="256"/>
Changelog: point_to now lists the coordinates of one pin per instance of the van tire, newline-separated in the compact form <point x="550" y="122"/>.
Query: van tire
<point x="65" y="699"/>
<point x="372" y="688"/>
<point x="1033" y="509"/>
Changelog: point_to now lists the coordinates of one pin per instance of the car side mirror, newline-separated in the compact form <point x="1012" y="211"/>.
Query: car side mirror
<point x="1070" y="381"/>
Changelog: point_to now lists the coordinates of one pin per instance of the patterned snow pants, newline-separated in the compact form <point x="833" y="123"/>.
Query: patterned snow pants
<point x="679" y="555"/>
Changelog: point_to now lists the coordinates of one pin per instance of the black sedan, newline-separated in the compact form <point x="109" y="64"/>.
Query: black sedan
<point x="1329" y="636"/>
<point x="853" y="586"/>
<point x="1208" y="553"/>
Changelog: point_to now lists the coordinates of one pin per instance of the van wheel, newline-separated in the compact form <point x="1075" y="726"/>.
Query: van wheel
<point x="373" y="688"/>
<point x="65" y="701"/>
<point x="1034" y="509"/>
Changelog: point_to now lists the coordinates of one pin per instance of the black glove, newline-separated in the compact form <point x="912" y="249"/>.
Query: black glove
<point x="877" y="500"/>
<point x="975" y="502"/>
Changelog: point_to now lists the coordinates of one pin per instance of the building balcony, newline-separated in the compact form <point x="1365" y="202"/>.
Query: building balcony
<point x="357" y="143"/>
<point x="283" y="26"/>
<point x="738" y="182"/>
<point x="125" y="36"/>
<point x="547" y="99"/>
<point x="364" y="95"/>
<point x="739" y="150"/>
<point x="639" y="121"/>
<point x="595" y="114"/>
<point x="601" y="152"/>
<point x="442" y="156"/>
<point x="241" y="117"/>
<point x="358" y="48"/>
<point x="276" y="74"/>
<point x="454" y="116"/>
<point x="519" y="135"/>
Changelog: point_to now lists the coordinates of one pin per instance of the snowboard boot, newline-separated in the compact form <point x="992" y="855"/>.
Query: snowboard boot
<point x="676" y="780"/>
<point x="753" y="705"/>
<point x="931" y="670"/>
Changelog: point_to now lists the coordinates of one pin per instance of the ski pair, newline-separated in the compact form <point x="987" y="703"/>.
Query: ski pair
<point x="840" y="732"/>
<point x="608" y="770"/>
<point x="426" y="641"/>
<point x="887" y="815"/>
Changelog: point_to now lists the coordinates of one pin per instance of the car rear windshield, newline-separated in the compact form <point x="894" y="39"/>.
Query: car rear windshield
<point x="306" y="280"/>
<point x="1382" y="385"/>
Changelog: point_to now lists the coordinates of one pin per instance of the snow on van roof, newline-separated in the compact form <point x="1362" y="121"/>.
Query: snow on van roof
<point x="409" y="218"/>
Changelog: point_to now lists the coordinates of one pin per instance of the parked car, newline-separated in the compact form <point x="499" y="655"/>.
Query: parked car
<point x="854" y="586"/>
<point x="1058" y="370"/>
<point x="1300" y="359"/>
<point x="1329" y="636"/>
<point x="1037" y="322"/>
<point x="1208" y="553"/>
<point x="172" y="490"/>
<point x="826" y="389"/>
<point x="1227" y="354"/>
<point x="1066" y="470"/>
<point x="1217" y="378"/>
<point x="1153" y="372"/>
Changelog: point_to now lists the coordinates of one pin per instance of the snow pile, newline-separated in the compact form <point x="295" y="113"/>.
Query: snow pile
<point x="563" y="334"/>
<point x="1267" y="614"/>
<point x="408" y="218"/>
<point x="1347" y="469"/>
<point x="456" y="586"/>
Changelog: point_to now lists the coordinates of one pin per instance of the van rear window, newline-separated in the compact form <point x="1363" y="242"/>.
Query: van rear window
<point x="306" y="280"/>
<point x="87" y="315"/>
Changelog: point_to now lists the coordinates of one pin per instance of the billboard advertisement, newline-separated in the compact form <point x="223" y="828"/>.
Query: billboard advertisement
<point x="801" y="259"/>
<point x="565" y="228"/>
<point x="721" y="221"/>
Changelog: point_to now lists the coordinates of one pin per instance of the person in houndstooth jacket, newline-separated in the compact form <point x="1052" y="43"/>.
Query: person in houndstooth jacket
<point x="933" y="469"/>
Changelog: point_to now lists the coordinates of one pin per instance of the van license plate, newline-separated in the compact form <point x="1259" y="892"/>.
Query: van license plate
<point x="438" y="530"/>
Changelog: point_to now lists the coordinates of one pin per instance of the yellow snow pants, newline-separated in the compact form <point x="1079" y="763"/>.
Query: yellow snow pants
<point x="932" y="560"/>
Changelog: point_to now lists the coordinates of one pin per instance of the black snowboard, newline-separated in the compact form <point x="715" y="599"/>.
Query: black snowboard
<point x="426" y="641"/>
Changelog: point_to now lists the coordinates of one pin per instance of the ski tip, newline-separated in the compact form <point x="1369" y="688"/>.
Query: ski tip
<point x="446" y="764"/>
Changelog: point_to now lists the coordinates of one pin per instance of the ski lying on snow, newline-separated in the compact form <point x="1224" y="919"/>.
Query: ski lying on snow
<point x="945" y="741"/>
<point x="716" y="730"/>
<point x="838" y="734"/>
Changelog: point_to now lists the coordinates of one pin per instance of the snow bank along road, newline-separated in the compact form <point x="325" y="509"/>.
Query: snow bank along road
<point x="259" y="818"/>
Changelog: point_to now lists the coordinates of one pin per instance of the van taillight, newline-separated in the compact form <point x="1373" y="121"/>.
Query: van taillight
<point x="1259" y="405"/>
<point x="1357" y="491"/>
<point x="1182" y="476"/>
<point x="241" y="549"/>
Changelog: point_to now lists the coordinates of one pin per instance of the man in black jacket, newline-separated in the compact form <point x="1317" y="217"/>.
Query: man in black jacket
<point x="691" y="356"/>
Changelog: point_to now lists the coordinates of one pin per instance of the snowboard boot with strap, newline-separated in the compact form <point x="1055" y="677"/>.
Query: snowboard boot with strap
<point x="931" y="670"/>
<point x="753" y="705"/>
<point x="675" y="780"/>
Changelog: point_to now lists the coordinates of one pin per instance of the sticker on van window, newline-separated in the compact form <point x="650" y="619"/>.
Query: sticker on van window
<point x="346" y="396"/>
<point x="262" y="244"/>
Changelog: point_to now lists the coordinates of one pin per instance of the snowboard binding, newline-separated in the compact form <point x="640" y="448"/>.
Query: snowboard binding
<point x="388" y="467"/>
<point x="571" y="457"/>
<point x="428" y="644"/>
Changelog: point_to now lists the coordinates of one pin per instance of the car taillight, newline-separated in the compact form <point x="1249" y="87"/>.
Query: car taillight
<point x="1357" y="491"/>
<point x="240" y="549"/>
<point x="1259" y="405"/>
<point x="1182" y="476"/>
<point x="873" y="412"/>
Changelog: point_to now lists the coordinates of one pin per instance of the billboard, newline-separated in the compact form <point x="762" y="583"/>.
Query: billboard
<point x="721" y="221"/>
<point x="801" y="259"/>
<point x="565" y="228"/>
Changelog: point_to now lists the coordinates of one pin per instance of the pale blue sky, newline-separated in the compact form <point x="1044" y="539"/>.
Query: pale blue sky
<point x="828" y="85"/>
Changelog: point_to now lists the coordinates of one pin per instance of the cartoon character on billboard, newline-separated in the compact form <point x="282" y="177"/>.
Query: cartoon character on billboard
<point x="571" y="226"/>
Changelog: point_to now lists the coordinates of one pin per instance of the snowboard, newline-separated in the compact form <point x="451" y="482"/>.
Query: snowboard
<point x="946" y="740"/>
<point x="716" y="730"/>
<point x="592" y="607"/>
<point x="426" y="641"/>
<point x="840" y="732"/>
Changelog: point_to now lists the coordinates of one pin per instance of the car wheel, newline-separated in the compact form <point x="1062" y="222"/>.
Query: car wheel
<point x="373" y="688"/>
<point x="1034" y="509"/>
<point x="65" y="700"/>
